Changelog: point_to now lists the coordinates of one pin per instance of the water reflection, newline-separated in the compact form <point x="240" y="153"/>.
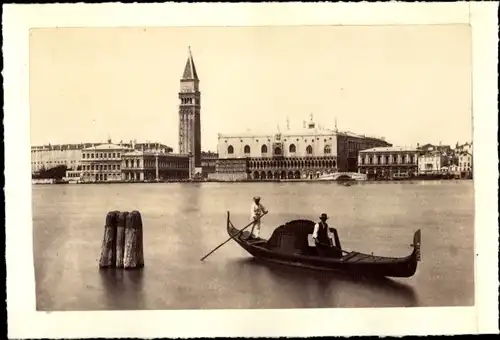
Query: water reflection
<point x="319" y="289"/>
<point x="122" y="289"/>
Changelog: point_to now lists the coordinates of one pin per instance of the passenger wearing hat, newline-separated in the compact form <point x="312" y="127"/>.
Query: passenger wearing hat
<point x="256" y="211"/>
<point x="322" y="233"/>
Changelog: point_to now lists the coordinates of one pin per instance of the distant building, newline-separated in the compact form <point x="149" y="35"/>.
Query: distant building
<point x="433" y="163"/>
<point x="153" y="166"/>
<point x="431" y="148"/>
<point x="148" y="146"/>
<point x="102" y="163"/>
<point x="466" y="147"/>
<point x="44" y="157"/>
<point x="388" y="162"/>
<point x="235" y="169"/>
<point x="465" y="164"/>
<point x="299" y="154"/>
<point x="208" y="163"/>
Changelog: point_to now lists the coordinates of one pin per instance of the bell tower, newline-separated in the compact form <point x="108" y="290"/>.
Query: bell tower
<point x="189" y="113"/>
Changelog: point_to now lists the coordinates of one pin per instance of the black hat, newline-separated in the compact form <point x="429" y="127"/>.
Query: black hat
<point x="323" y="217"/>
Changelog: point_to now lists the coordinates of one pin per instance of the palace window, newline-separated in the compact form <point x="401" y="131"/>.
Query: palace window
<point x="277" y="151"/>
<point x="309" y="150"/>
<point x="328" y="149"/>
<point x="230" y="149"/>
<point x="263" y="149"/>
<point x="292" y="148"/>
<point x="246" y="149"/>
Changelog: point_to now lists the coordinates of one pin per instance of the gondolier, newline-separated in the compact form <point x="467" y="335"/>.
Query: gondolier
<point x="256" y="210"/>
<point x="322" y="233"/>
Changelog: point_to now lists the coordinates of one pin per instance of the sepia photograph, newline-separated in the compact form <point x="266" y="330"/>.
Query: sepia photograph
<point x="252" y="167"/>
<point x="202" y="139"/>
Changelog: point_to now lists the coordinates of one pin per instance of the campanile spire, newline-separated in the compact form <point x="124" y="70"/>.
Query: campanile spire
<point x="189" y="112"/>
<point x="190" y="69"/>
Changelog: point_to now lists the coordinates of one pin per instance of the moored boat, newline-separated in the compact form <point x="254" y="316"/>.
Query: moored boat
<point x="290" y="244"/>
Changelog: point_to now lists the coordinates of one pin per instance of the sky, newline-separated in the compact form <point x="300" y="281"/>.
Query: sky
<point x="410" y="84"/>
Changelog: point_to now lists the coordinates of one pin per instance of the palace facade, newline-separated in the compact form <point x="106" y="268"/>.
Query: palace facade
<point x="300" y="154"/>
<point x="153" y="166"/>
<point x="102" y="163"/>
<point x="388" y="162"/>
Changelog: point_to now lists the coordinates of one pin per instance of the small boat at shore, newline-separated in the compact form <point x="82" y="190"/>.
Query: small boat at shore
<point x="290" y="244"/>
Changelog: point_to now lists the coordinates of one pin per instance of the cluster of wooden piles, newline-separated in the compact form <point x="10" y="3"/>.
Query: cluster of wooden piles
<point x="122" y="246"/>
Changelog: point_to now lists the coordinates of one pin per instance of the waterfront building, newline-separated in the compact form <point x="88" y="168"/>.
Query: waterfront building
<point x="234" y="169"/>
<point x="154" y="166"/>
<point x="102" y="163"/>
<point x="389" y="162"/>
<point x="44" y="157"/>
<point x="306" y="153"/>
<point x="208" y="162"/>
<point x="433" y="163"/>
<point x="465" y="164"/>
<point x="189" y="115"/>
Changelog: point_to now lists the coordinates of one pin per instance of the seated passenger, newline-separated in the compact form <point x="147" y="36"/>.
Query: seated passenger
<point x="321" y="233"/>
<point x="324" y="239"/>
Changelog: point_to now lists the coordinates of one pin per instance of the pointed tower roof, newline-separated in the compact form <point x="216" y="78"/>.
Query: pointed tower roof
<point x="190" y="69"/>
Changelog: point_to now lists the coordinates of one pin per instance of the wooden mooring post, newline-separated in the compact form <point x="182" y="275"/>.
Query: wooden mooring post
<point x="122" y="246"/>
<point x="108" y="252"/>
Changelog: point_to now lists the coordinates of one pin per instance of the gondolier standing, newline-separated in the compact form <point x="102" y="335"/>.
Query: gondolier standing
<point x="256" y="211"/>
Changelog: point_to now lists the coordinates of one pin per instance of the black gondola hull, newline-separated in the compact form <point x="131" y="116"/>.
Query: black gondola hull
<point x="353" y="262"/>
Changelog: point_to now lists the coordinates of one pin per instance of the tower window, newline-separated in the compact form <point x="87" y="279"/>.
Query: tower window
<point x="246" y="149"/>
<point x="230" y="149"/>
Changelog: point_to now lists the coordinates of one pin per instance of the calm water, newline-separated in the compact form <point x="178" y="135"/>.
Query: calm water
<point x="183" y="222"/>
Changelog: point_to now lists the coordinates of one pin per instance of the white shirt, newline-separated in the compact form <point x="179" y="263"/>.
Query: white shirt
<point x="257" y="210"/>
<point x="315" y="232"/>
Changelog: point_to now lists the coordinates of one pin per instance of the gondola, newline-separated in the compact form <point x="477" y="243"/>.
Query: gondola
<point x="291" y="244"/>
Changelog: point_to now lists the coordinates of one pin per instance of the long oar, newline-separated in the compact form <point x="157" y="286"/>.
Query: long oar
<point x="232" y="237"/>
